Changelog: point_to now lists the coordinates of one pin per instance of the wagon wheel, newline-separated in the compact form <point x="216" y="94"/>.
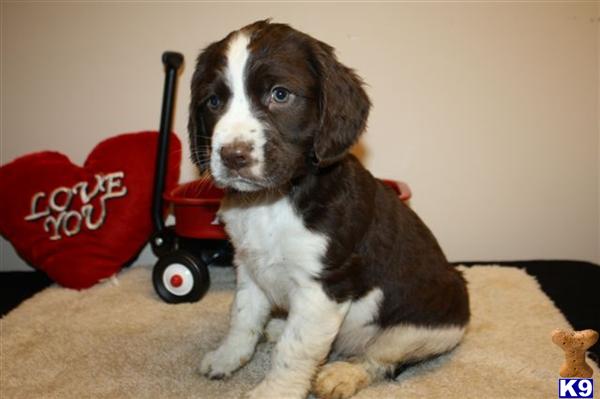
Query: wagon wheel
<point x="180" y="277"/>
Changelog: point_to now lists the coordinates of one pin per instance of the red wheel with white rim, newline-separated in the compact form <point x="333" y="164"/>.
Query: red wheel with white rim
<point x="180" y="277"/>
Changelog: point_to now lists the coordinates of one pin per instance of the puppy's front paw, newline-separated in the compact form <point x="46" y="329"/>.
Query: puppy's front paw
<point x="340" y="380"/>
<point x="220" y="363"/>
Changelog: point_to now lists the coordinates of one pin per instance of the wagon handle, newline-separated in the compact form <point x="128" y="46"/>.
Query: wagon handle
<point x="172" y="62"/>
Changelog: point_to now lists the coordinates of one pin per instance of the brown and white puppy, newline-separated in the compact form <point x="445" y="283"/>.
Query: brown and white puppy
<point x="273" y="114"/>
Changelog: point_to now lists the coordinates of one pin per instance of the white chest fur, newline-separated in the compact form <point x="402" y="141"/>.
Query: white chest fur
<point x="273" y="244"/>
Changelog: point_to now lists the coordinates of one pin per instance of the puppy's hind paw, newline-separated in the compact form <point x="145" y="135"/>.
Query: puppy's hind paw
<point x="340" y="380"/>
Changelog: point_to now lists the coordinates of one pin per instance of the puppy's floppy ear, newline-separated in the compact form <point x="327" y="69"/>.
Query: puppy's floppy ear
<point x="196" y="130"/>
<point x="199" y="139"/>
<point x="344" y="107"/>
<point x="208" y="62"/>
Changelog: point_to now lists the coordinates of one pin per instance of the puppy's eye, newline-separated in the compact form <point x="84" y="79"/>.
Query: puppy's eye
<point x="213" y="102"/>
<point x="280" y="95"/>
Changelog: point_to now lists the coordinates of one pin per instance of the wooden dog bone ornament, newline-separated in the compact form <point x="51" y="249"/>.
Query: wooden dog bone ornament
<point x="575" y="344"/>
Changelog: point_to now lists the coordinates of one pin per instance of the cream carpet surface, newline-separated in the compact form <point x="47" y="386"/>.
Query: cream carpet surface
<point x="118" y="340"/>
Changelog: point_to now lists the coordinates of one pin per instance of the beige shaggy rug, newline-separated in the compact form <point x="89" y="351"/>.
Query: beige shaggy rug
<point x="118" y="340"/>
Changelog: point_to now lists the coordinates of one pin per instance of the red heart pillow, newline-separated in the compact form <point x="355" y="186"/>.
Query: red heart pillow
<point x="82" y="224"/>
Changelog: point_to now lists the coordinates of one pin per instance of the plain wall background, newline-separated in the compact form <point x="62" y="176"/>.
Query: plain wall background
<point x="488" y="110"/>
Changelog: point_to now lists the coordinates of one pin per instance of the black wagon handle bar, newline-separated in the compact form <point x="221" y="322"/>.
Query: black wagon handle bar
<point x="172" y="59"/>
<point x="172" y="62"/>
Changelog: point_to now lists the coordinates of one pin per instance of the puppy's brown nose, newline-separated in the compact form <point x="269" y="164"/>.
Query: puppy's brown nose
<point x="236" y="155"/>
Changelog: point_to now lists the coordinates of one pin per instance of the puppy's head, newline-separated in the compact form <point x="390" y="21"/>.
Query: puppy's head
<point x="267" y="101"/>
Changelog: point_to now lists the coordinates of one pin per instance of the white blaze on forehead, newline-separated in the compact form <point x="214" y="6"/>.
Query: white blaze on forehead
<point x="238" y="122"/>
<point x="237" y="57"/>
